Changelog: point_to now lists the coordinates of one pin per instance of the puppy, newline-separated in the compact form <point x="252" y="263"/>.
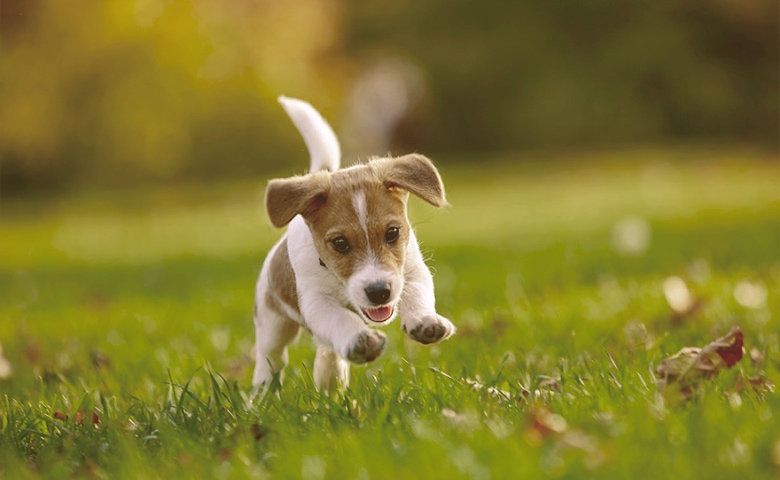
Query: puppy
<point x="349" y="259"/>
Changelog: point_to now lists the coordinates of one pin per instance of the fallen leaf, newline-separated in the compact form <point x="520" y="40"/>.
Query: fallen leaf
<point x="691" y="365"/>
<point x="680" y="299"/>
<point x="757" y="383"/>
<point x="100" y="360"/>
<point x="550" y="383"/>
<point x="544" y="423"/>
<point x="730" y="349"/>
<point x="78" y="419"/>
<point x="677" y="294"/>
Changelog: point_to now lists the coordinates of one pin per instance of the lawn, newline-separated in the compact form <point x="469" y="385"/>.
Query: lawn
<point x="127" y="319"/>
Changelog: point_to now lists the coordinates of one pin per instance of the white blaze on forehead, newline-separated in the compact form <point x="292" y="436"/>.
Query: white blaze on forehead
<point x="359" y="202"/>
<point x="371" y="270"/>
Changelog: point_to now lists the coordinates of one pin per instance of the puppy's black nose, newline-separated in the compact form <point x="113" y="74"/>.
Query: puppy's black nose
<point x="378" y="293"/>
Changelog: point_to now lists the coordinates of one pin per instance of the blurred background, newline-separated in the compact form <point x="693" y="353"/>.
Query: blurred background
<point x="128" y="92"/>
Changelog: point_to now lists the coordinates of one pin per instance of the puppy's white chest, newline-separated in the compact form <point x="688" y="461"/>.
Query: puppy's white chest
<point x="311" y="277"/>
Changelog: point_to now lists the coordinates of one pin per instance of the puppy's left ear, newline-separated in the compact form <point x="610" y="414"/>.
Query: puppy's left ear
<point x="415" y="173"/>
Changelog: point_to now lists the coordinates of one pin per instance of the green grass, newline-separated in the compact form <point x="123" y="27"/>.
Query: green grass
<point x="136" y="306"/>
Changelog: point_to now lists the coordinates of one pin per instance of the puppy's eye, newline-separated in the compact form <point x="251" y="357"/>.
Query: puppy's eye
<point x="391" y="235"/>
<point x="341" y="244"/>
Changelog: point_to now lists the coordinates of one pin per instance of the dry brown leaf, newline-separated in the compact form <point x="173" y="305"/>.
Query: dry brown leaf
<point x="681" y="300"/>
<point x="759" y="384"/>
<point x="678" y="295"/>
<point x="550" y="383"/>
<point x="691" y="365"/>
<point x="100" y="360"/>
<point x="78" y="419"/>
<point x="544" y="423"/>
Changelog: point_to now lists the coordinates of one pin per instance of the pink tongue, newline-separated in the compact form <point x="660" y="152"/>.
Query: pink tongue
<point x="379" y="314"/>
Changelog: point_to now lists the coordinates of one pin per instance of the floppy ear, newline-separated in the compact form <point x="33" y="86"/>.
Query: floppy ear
<point x="288" y="197"/>
<point x="415" y="173"/>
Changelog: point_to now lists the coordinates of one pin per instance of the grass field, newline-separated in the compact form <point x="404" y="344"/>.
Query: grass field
<point x="126" y="317"/>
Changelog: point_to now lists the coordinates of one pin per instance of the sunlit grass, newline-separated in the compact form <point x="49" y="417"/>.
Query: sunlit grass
<point x="135" y="306"/>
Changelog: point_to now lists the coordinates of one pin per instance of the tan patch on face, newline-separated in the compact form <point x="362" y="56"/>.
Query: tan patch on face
<point x="384" y="208"/>
<point x="281" y="279"/>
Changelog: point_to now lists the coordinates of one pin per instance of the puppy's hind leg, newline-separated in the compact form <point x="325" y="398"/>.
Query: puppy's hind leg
<point x="273" y="332"/>
<point x="330" y="370"/>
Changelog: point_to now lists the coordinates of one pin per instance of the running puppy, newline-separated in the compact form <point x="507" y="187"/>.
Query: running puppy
<point x="349" y="259"/>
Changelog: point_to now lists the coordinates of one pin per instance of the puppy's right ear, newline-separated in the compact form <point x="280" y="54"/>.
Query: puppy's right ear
<point x="288" y="197"/>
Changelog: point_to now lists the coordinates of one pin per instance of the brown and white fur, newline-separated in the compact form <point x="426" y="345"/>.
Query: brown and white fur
<point x="349" y="258"/>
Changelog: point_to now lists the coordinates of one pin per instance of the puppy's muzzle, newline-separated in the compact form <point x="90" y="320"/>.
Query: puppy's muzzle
<point x="378" y="293"/>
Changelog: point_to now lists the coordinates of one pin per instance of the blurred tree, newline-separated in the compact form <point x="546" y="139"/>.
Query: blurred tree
<point x="508" y="75"/>
<point x="122" y="91"/>
<point x="138" y="90"/>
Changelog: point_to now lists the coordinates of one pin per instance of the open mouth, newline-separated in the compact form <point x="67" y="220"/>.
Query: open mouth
<point x="379" y="314"/>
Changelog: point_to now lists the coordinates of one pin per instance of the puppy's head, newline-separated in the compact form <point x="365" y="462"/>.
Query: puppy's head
<point x="357" y="217"/>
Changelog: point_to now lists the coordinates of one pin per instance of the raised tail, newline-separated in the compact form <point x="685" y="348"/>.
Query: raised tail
<point x="324" y="149"/>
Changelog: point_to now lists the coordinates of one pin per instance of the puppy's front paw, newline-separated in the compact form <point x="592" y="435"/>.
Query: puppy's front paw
<point x="430" y="329"/>
<point x="367" y="346"/>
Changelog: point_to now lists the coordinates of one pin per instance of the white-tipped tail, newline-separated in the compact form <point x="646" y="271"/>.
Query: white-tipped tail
<point x="320" y="139"/>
